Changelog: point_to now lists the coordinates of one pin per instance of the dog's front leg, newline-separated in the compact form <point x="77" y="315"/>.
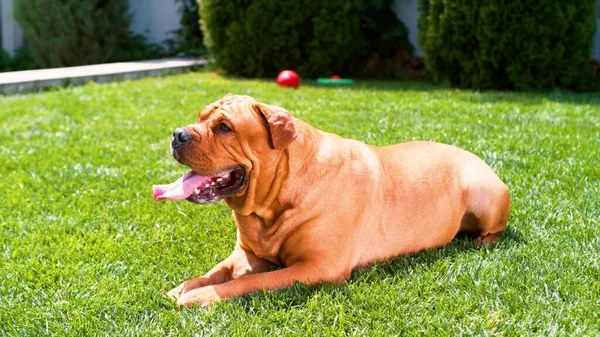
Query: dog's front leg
<point x="239" y="263"/>
<point x="300" y="272"/>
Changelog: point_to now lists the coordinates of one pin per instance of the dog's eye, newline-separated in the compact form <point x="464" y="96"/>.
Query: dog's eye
<point x="222" y="127"/>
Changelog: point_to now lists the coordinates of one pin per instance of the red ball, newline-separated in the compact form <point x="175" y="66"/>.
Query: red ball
<point x="336" y="77"/>
<point x="288" y="78"/>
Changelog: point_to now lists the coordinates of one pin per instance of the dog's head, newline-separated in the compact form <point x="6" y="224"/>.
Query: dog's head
<point x="231" y="138"/>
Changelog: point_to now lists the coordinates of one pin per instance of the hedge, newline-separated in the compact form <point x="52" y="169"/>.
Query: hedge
<point x="60" y="33"/>
<point x="509" y="45"/>
<point x="259" y="38"/>
<point x="72" y="32"/>
<point x="187" y="38"/>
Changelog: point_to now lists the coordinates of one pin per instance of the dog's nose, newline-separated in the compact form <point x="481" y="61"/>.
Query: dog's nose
<point x="180" y="136"/>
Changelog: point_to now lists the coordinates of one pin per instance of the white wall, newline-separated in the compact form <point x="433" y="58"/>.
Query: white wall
<point x="12" y="36"/>
<point x="408" y="12"/>
<point x="154" y="18"/>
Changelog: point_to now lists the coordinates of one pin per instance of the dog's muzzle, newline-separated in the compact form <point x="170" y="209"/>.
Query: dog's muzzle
<point x="180" y="137"/>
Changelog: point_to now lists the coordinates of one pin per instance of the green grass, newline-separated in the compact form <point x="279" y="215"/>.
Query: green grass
<point x="85" y="250"/>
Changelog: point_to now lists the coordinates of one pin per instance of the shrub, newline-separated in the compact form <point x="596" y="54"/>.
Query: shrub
<point x="188" y="38"/>
<point x="381" y="29"/>
<point x="71" y="32"/>
<point x="21" y="60"/>
<point x="316" y="38"/>
<point x="136" y="47"/>
<point x="514" y="45"/>
<point x="262" y="37"/>
<point x="387" y="48"/>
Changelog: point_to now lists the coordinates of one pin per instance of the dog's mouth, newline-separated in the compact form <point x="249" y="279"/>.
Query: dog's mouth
<point x="201" y="189"/>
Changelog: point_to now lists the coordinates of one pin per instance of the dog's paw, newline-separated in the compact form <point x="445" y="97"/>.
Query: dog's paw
<point x="488" y="241"/>
<point x="176" y="292"/>
<point x="203" y="297"/>
<point x="186" y="286"/>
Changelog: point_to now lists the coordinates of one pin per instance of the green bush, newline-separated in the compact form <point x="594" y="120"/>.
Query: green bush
<point x="21" y="60"/>
<point x="387" y="48"/>
<point x="314" y="37"/>
<point x="188" y="38"/>
<point x="261" y="37"/>
<point x="136" y="47"/>
<point x="72" y="32"/>
<point x="513" y="45"/>
<point x="381" y="29"/>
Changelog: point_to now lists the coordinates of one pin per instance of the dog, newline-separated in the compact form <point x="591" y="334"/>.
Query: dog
<point x="317" y="205"/>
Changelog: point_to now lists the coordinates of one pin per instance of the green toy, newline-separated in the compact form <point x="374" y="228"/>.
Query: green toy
<point x="331" y="81"/>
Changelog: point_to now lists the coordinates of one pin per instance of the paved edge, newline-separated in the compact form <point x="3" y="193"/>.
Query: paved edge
<point x="98" y="74"/>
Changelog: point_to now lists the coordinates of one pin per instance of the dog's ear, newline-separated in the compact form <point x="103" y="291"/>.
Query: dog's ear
<point x="279" y="124"/>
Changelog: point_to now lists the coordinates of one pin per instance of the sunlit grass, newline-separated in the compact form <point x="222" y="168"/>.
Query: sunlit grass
<point x="85" y="250"/>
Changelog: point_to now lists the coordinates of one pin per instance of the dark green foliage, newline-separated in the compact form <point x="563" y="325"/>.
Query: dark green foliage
<point x="70" y="32"/>
<point x="316" y="38"/>
<point x="188" y="38"/>
<point x="21" y="60"/>
<point x="382" y="30"/>
<point x="514" y="45"/>
<point x="386" y="47"/>
<point x="136" y="47"/>
<point x="262" y="37"/>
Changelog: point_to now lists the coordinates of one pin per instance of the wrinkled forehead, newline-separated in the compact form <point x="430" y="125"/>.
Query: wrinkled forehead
<point x="231" y="105"/>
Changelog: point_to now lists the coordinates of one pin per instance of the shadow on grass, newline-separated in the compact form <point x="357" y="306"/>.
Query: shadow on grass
<point x="443" y="90"/>
<point x="402" y="266"/>
<point x="469" y="95"/>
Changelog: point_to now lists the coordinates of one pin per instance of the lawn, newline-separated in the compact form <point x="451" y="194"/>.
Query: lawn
<point x="85" y="250"/>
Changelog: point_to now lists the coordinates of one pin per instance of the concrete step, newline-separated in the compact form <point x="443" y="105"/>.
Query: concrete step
<point x="32" y="80"/>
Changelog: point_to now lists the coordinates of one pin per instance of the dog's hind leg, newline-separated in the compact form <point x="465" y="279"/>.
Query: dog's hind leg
<point x="487" y="213"/>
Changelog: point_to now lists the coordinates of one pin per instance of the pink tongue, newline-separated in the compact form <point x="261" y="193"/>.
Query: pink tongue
<point x="181" y="188"/>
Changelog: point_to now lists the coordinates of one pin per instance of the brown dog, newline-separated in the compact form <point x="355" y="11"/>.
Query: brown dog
<point x="319" y="205"/>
